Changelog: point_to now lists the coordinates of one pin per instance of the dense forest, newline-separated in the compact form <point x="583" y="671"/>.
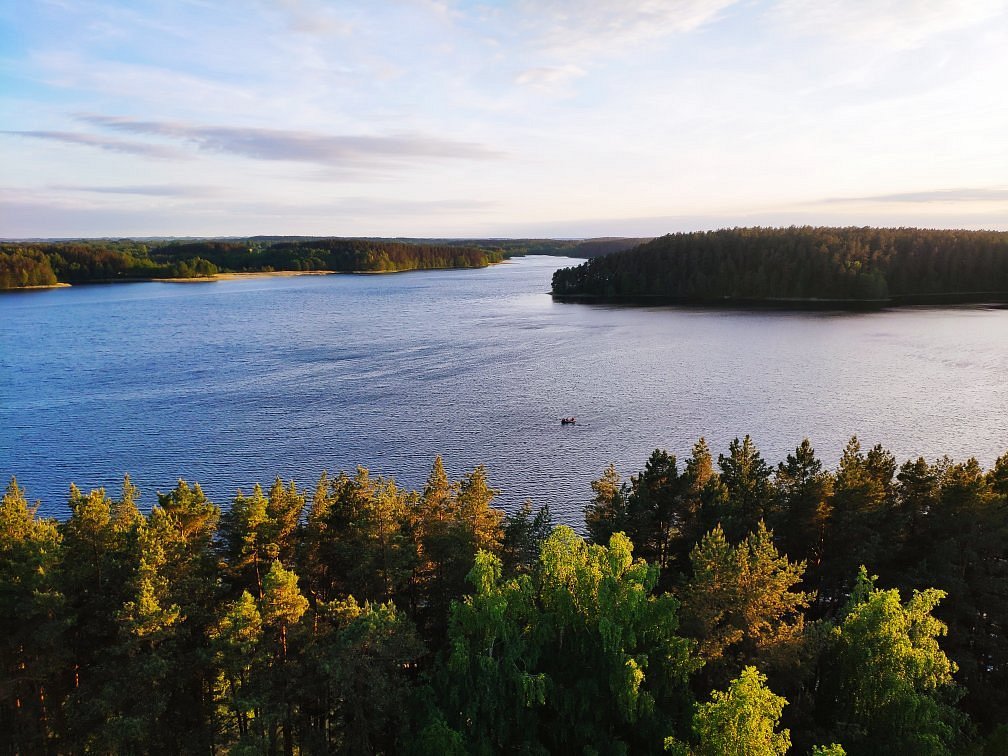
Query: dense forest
<point x="45" y="263"/>
<point x="585" y="248"/>
<point x="800" y="264"/>
<point x="716" y="607"/>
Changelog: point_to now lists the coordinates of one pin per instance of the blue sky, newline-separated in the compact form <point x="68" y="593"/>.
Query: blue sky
<point x="548" y="118"/>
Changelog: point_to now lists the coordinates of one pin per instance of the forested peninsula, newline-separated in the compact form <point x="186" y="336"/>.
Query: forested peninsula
<point x="48" y="263"/>
<point x="85" y="261"/>
<point x="799" y="267"/>
<point x="716" y="606"/>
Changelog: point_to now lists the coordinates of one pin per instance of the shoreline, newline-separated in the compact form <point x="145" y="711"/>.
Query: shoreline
<point x="38" y="287"/>
<point x="983" y="299"/>
<point x="238" y="276"/>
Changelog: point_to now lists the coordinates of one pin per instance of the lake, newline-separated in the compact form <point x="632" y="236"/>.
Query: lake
<point x="233" y="382"/>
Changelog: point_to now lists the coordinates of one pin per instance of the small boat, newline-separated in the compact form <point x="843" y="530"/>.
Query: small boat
<point x="568" y="421"/>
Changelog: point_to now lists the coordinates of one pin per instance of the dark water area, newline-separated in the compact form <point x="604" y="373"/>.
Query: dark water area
<point x="234" y="382"/>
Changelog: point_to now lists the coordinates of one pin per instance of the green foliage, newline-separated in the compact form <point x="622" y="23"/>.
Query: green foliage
<point x="746" y="478"/>
<point x="607" y="513"/>
<point x="353" y="629"/>
<point x="886" y="682"/>
<point x="89" y="260"/>
<point x="833" y="749"/>
<point x="24" y="267"/>
<point x="800" y="265"/>
<point x="740" y="604"/>
<point x="580" y="655"/>
<point x="742" y="720"/>
<point x="803" y="491"/>
<point x="31" y="611"/>
<point x="523" y="537"/>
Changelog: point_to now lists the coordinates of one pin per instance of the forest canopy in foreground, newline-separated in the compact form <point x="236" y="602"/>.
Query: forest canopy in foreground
<point x="800" y="264"/>
<point x="716" y="607"/>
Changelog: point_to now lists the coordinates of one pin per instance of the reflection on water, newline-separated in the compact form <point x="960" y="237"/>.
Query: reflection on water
<point x="237" y="381"/>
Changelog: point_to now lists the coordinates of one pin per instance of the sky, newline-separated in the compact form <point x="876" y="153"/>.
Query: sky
<point x="445" y="118"/>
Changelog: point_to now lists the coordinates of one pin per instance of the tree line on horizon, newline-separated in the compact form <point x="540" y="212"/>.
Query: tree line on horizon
<point x="806" y="263"/>
<point x="714" y="607"/>
<point x="46" y="263"/>
<point x="99" y="260"/>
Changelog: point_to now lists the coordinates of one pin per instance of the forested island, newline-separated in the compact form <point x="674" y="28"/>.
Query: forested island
<point x="48" y="263"/>
<point x="800" y="266"/>
<point x="717" y="606"/>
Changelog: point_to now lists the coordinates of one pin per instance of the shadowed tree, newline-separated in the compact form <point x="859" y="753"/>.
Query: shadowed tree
<point x="524" y="535"/>
<point x="746" y="477"/>
<point x="802" y="511"/>
<point x="31" y="624"/>
<point x="607" y="512"/>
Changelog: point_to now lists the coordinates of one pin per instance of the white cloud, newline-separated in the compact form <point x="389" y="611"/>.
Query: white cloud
<point x="548" y="77"/>
<point x="579" y="27"/>
<point x="898" y="24"/>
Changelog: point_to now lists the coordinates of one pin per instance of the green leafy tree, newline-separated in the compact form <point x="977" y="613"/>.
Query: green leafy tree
<point x="493" y="682"/>
<point x="580" y="655"/>
<point x="742" y="720"/>
<point x="887" y="686"/>
<point x="833" y="749"/>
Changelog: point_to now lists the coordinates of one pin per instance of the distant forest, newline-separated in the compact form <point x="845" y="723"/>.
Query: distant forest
<point x="800" y="264"/>
<point x="46" y="263"/>
<point x="717" y="607"/>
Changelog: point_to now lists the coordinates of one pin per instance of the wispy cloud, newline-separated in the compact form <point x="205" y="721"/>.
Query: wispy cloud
<point x="101" y="142"/>
<point x="356" y="208"/>
<point x="143" y="190"/>
<point x="939" y="195"/>
<point x="303" y="146"/>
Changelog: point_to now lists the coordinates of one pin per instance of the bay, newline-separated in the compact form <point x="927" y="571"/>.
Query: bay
<point x="233" y="382"/>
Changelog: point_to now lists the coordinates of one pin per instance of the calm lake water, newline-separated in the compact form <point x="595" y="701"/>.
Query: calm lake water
<point x="234" y="382"/>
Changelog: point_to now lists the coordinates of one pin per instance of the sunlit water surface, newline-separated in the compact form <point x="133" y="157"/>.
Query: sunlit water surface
<point x="234" y="382"/>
